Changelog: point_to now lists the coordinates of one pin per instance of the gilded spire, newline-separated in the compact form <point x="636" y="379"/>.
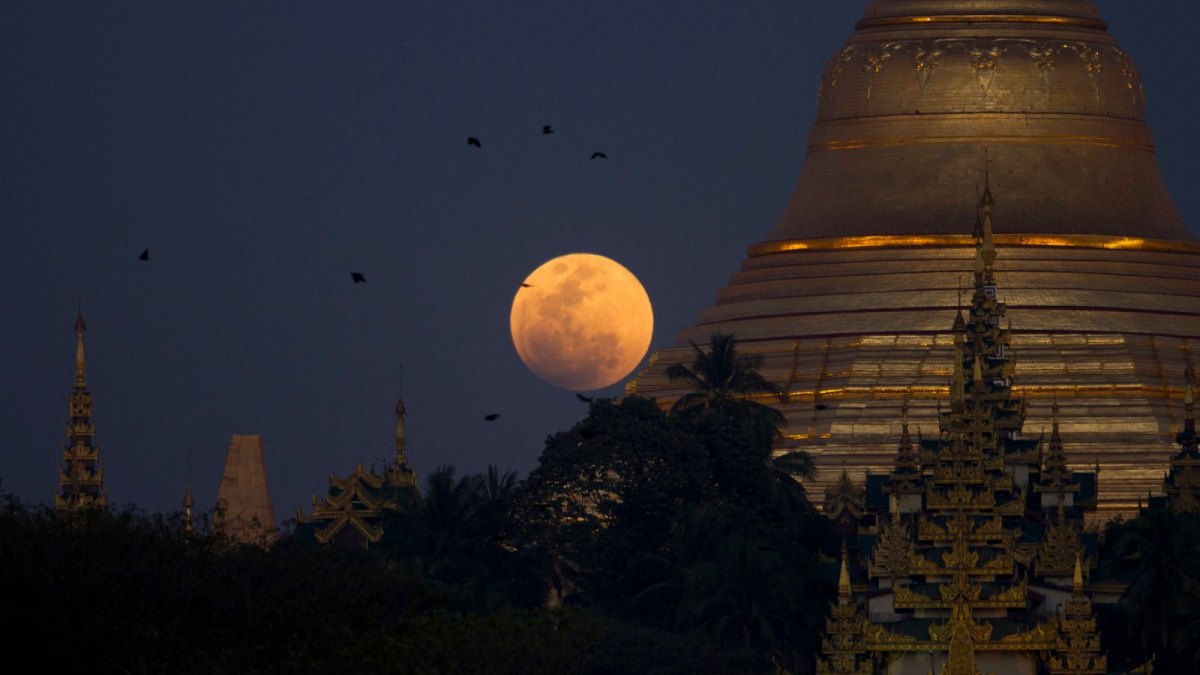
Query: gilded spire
<point x="401" y="442"/>
<point x="1189" y="408"/>
<point x="985" y="246"/>
<point x="1077" y="585"/>
<point x="80" y="478"/>
<point x="80" y="361"/>
<point x="189" y="503"/>
<point x="907" y="469"/>
<point x="844" y="590"/>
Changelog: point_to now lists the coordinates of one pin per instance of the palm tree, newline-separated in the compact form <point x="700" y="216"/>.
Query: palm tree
<point x="722" y="380"/>
<point x="1161" y="549"/>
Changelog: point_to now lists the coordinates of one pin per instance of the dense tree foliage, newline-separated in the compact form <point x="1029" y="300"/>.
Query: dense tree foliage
<point x="644" y="541"/>
<point x="1158" y="555"/>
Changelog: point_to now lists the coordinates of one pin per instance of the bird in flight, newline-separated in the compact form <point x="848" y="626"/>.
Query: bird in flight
<point x="492" y="417"/>
<point x="471" y="140"/>
<point x="145" y="255"/>
<point x="358" y="277"/>
<point x="585" y="399"/>
<point x="599" y="155"/>
<point x="526" y="285"/>
<point x="547" y="129"/>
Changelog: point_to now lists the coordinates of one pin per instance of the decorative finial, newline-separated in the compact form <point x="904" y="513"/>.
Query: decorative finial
<point x="844" y="591"/>
<point x="1078" y="585"/>
<point x="80" y="361"/>
<point x="958" y="388"/>
<point x="401" y="448"/>
<point x="1189" y="408"/>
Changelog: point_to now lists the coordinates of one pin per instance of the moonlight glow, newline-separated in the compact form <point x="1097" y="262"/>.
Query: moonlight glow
<point x="581" y="322"/>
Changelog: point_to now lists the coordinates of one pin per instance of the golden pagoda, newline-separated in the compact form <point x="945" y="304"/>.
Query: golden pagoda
<point x="81" y="478"/>
<point x="354" y="511"/>
<point x="971" y="569"/>
<point x="1181" y="485"/>
<point x="845" y="297"/>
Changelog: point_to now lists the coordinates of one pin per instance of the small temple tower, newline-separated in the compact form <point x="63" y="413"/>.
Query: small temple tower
<point x="354" y="511"/>
<point x="80" y="478"/>
<point x="189" y="504"/>
<point x="1182" y="482"/>
<point x="977" y="558"/>
<point x="244" y="510"/>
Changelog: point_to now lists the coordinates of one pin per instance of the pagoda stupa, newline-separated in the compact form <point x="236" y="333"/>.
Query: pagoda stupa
<point x="846" y="297"/>
<point x="975" y="560"/>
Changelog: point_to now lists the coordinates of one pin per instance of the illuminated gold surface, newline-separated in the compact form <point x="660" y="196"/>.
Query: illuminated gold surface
<point x="855" y="327"/>
<point x="982" y="18"/>
<point x="910" y="105"/>
<point x="898" y="141"/>
<point x="850" y="297"/>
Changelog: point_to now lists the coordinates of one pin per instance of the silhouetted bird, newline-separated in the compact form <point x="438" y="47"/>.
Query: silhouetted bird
<point x="547" y="129"/>
<point x="492" y="417"/>
<point x="599" y="155"/>
<point x="145" y="255"/>
<point x="526" y="285"/>
<point x="358" y="277"/>
<point x="585" y="399"/>
<point x="471" y="140"/>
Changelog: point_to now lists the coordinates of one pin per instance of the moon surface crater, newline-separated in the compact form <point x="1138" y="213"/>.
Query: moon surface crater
<point x="581" y="322"/>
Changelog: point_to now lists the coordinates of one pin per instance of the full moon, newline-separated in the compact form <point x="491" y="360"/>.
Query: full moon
<point x="581" y="322"/>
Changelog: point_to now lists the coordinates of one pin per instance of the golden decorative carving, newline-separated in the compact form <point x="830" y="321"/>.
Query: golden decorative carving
<point x="1083" y="241"/>
<point x="893" y="551"/>
<point x="1077" y="22"/>
<point x="983" y="55"/>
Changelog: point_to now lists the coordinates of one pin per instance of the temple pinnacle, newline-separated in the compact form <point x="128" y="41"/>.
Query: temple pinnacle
<point x="80" y="361"/>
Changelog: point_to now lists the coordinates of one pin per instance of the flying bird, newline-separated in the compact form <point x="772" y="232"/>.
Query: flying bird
<point x="585" y="399"/>
<point x="526" y="285"/>
<point x="599" y="155"/>
<point x="471" y="140"/>
<point x="492" y="417"/>
<point x="358" y="277"/>
<point x="145" y="255"/>
<point x="547" y="129"/>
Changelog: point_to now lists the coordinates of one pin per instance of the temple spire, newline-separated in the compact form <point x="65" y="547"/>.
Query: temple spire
<point x="844" y="590"/>
<point x="80" y="479"/>
<point x="189" y="503"/>
<point x="1189" y="408"/>
<point x="401" y="459"/>
<point x="958" y="387"/>
<point x="80" y="361"/>
<point x="985" y="246"/>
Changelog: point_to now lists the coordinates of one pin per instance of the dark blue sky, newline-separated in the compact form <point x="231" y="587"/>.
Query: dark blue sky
<point x="262" y="151"/>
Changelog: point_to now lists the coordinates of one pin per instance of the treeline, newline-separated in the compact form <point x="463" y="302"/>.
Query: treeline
<point x="1157" y="557"/>
<point x="643" y="542"/>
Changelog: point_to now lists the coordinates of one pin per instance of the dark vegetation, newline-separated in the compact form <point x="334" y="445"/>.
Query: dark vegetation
<point x="1158" y="555"/>
<point x="644" y="542"/>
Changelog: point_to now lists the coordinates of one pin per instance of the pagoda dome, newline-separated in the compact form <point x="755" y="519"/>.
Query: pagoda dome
<point x="907" y="107"/>
<point x="850" y="298"/>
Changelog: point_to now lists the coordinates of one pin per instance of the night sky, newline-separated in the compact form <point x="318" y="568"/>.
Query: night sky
<point x="262" y="151"/>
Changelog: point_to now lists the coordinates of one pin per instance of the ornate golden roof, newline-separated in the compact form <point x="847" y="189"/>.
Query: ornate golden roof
<point x="80" y="476"/>
<point x="924" y="92"/>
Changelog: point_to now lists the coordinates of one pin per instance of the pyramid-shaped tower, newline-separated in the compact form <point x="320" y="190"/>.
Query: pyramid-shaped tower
<point x="845" y="297"/>
<point x="244" y="510"/>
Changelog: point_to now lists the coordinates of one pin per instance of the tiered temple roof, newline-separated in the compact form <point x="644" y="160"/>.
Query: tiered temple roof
<point x="80" y="479"/>
<point x="355" y="508"/>
<point x="1182" y="483"/>
<point x="978" y="560"/>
